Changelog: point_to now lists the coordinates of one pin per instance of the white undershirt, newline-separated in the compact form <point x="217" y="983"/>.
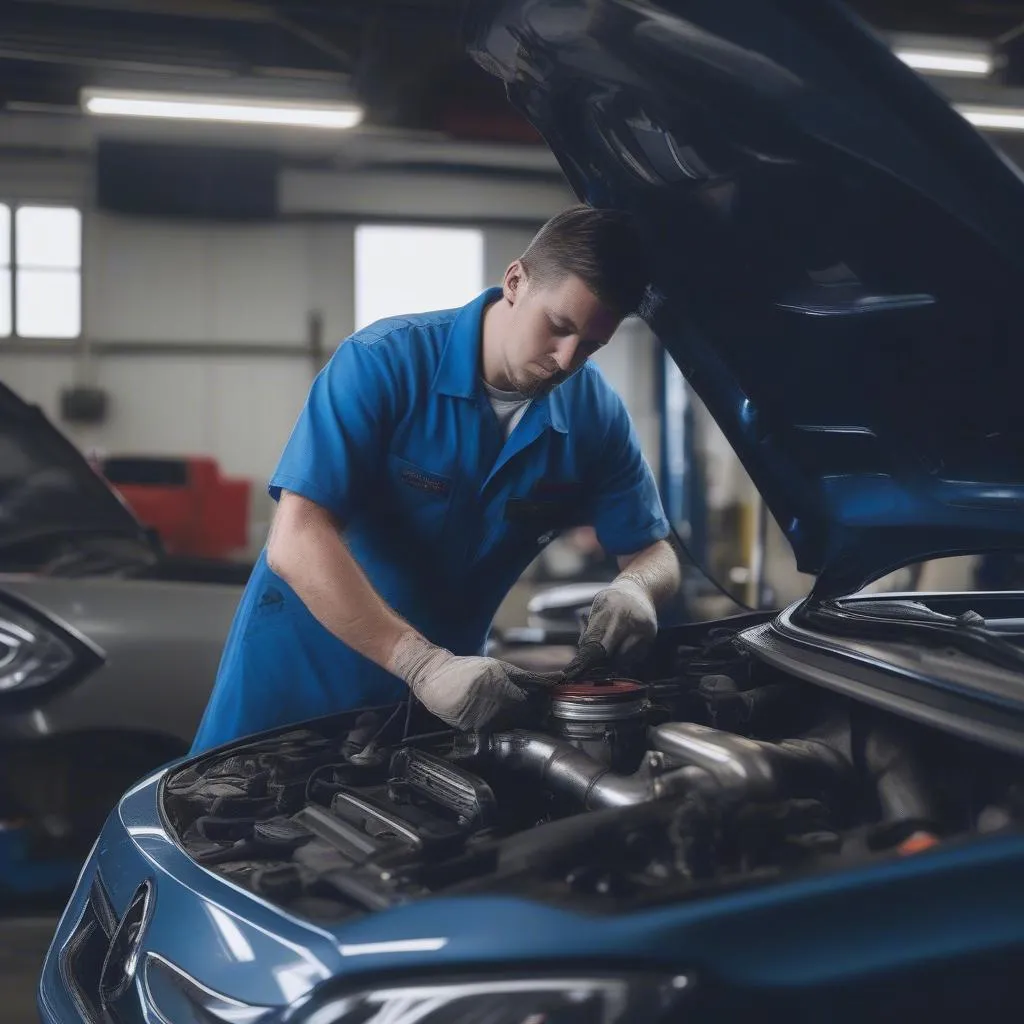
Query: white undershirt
<point x="508" y="406"/>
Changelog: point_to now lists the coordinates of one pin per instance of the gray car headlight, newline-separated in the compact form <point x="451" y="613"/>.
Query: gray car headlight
<point x="35" y="651"/>
<point x="571" y="999"/>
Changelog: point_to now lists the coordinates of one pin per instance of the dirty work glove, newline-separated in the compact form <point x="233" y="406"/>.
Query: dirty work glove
<point x="464" y="692"/>
<point x="623" y="623"/>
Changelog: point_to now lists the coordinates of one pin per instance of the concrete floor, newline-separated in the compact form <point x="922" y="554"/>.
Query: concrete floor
<point x="23" y="944"/>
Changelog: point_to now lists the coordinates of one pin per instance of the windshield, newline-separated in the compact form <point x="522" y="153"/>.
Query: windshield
<point x="47" y="489"/>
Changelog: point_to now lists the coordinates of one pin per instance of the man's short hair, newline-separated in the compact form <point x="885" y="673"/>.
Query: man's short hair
<point x="601" y="247"/>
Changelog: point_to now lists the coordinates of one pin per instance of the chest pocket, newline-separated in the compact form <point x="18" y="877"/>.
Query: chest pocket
<point x="421" y="497"/>
<point x="539" y="518"/>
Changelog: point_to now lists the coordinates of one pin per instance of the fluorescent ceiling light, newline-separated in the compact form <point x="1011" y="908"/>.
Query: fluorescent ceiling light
<point x="1005" y="119"/>
<point x="235" y="109"/>
<point x="947" y="62"/>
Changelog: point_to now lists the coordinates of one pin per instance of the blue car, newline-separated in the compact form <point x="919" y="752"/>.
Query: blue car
<point x="814" y="815"/>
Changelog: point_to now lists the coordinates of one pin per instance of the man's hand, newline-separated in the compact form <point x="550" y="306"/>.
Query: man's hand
<point x="464" y="692"/>
<point x="623" y="621"/>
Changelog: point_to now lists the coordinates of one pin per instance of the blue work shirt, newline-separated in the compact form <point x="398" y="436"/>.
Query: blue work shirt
<point x="397" y="440"/>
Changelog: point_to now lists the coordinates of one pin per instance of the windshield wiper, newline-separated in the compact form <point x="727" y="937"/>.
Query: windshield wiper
<point x="892" y="620"/>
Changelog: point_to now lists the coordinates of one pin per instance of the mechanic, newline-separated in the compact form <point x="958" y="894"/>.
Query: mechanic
<point x="435" y="456"/>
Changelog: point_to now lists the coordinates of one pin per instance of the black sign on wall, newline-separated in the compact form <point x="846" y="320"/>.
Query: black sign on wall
<point x="186" y="181"/>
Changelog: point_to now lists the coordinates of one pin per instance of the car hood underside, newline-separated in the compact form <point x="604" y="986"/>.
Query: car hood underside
<point x="837" y="259"/>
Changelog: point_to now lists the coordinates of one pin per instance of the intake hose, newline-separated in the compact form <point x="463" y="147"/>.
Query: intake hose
<point x="753" y="769"/>
<point x="714" y="763"/>
<point x="901" y="782"/>
<point x="572" y="773"/>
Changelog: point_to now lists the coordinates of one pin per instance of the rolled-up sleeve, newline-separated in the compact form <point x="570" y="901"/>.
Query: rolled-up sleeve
<point x="625" y="506"/>
<point x="338" y="441"/>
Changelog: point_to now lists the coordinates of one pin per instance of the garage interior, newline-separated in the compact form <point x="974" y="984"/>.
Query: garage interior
<point x="170" y="287"/>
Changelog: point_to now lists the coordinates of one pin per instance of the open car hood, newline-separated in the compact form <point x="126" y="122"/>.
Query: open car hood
<point x="839" y="267"/>
<point x="47" y="488"/>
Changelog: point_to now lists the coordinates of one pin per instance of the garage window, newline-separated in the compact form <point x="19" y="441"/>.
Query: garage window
<point x="47" y="272"/>
<point x="414" y="269"/>
<point x="6" y="303"/>
<point x="40" y="271"/>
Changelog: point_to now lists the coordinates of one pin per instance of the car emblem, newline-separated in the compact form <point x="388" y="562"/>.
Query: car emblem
<point x="122" y="959"/>
<point x="546" y="538"/>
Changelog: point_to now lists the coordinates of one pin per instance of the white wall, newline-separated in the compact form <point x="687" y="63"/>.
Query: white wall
<point x="629" y="363"/>
<point x="235" y="408"/>
<point x="393" y="193"/>
<point x="501" y="247"/>
<point x="175" y="283"/>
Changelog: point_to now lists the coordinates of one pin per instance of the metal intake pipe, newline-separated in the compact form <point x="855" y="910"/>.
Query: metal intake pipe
<point x="734" y="762"/>
<point x="750" y="768"/>
<point x="706" y="760"/>
<point x="573" y="773"/>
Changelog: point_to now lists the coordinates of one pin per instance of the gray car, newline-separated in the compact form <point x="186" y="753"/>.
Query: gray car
<point x="108" y="648"/>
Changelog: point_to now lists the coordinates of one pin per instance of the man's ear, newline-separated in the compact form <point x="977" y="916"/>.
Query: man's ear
<point x="515" y="280"/>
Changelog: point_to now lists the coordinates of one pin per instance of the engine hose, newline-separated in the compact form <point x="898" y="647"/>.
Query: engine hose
<point x="753" y="769"/>
<point x="901" y="783"/>
<point x="572" y="773"/>
<point x="713" y="763"/>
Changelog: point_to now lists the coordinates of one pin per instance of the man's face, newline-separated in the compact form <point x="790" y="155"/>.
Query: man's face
<point x="555" y="328"/>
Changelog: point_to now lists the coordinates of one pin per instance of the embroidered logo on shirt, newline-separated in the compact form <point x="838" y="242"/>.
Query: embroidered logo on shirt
<point x="271" y="602"/>
<point x="433" y="484"/>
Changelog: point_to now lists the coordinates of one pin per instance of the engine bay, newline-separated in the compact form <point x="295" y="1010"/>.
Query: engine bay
<point x="710" y="770"/>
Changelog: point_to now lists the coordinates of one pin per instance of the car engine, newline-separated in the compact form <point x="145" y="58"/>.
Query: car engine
<point x="708" y="771"/>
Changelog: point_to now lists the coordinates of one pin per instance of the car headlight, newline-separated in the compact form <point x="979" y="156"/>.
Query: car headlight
<point x="582" y="999"/>
<point x="35" y="651"/>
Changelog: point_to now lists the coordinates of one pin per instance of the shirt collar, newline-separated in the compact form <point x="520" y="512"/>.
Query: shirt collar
<point x="460" y="361"/>
<point x="459" y="369"/>
<point x="556" y="409"/>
